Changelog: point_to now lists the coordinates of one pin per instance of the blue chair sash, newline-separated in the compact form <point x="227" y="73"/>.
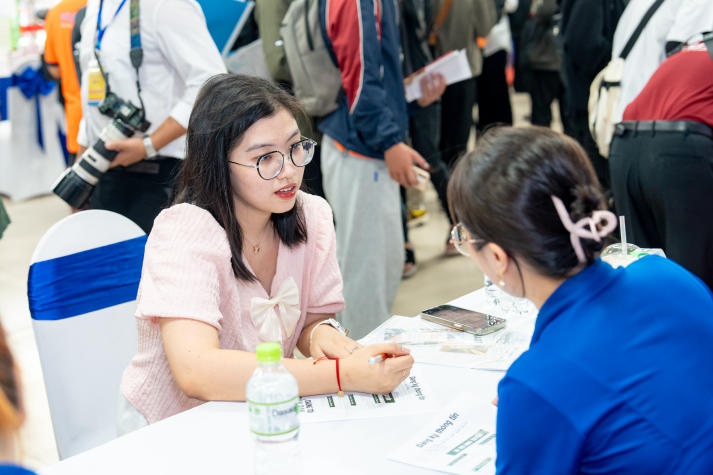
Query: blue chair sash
<point x="85" y="281"/>
<point x="32" y="85"/>
<point x="5" y="84"/>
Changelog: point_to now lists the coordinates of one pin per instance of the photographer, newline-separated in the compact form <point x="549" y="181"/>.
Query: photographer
<point x="154" y="89"/>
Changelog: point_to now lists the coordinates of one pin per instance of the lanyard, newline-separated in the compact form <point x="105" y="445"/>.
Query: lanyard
<point x="100" y="30"/>
<point x="136" y="53"/>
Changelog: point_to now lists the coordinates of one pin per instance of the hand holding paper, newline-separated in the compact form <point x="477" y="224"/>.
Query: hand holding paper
<point x="433" y="85"/>
<point x="453" y="66"/>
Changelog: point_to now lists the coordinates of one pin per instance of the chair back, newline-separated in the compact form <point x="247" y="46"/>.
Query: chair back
<point x="82" y="289"/>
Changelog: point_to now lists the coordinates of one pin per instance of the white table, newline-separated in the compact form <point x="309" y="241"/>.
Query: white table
<point x="214" y="438"/>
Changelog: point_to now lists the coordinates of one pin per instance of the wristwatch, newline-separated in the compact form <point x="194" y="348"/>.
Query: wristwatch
<point x="150" y="150"/>
<point x="331" y="322"/>
<point x="334" y="324"/>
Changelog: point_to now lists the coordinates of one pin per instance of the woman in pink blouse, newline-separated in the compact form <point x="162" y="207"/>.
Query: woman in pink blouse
<point x="241" y="258"/>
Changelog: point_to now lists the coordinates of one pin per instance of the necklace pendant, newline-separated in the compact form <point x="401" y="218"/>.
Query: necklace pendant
<point x="256" y="248"/>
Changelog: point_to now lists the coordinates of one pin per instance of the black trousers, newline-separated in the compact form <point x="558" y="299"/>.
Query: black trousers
<point x="138" y="192"/>
<point x="545" y="87"/>
<point x="663" y="183"/>
<point x="456" y="119"/>
<point x="312" y="178"/>
<point x="424" y="129"/>
<point x="424" y="132"/>
<point x="578" y="129"/>
<point x="494" y="101"/>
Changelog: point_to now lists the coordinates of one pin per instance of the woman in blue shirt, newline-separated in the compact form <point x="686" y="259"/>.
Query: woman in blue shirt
<point x="619" y="374"/>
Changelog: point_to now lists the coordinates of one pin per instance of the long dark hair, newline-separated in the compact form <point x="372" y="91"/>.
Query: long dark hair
<point x="227" y="105"/>
<point x="502" y="193"/>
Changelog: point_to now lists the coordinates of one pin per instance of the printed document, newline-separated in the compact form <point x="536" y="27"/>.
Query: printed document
<point x="436" y="344"/>
<point x="453" y="66"/>
<point x="409" y="398"/>
<point x="460" y="439"/>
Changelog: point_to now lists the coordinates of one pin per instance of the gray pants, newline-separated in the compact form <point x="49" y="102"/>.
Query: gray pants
<point x="370" y="243"/>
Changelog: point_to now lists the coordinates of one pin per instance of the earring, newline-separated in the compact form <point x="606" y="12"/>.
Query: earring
<point x="501" y="282"/>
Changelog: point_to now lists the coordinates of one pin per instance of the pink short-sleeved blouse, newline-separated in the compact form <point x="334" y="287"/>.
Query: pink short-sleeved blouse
<point x="187" y="274"/>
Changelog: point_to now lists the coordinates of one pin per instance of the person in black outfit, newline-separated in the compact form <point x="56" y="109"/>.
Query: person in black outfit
<point x="587" y="30"/>
<point x="542" y="62"/>
<point x="424" y="121"/>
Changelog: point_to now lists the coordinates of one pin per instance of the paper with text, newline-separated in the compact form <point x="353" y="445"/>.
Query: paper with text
<point x="410" y="397"/>
<point x="453" y="66"/>
<point x="460" y="439"/>
<point x="436" y="344"/>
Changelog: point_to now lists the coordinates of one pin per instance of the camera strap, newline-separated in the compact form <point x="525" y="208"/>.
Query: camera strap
<point x="136" y="53"/>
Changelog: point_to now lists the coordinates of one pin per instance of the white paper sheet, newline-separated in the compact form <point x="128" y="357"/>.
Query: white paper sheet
<point x="411" y="397"/>
<point x="453" y="66"/>
<point x="459" y="439"/>
<point x="435" y="344"/>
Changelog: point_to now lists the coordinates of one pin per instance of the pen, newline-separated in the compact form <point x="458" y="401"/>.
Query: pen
<point x="378" y="358"/>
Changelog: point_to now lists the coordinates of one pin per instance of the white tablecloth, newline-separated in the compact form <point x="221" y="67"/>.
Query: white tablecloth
<point x="214" y="437"/>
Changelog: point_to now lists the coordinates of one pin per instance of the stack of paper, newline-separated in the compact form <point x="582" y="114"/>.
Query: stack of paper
<point x="453" y="66"/>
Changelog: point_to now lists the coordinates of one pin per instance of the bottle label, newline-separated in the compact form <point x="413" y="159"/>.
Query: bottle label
<point x="278" y="419"/>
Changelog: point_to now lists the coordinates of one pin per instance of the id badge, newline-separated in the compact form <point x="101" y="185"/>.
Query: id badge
<point x="96" y="87"/>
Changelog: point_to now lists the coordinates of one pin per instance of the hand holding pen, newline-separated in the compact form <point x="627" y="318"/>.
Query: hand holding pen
<point x="383" y="365"/>
<point x="377" y="368"/>
<point x="379" y="358"/>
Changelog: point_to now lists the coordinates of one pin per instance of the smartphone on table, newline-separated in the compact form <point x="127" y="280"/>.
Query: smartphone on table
<point x="470" y="321"/>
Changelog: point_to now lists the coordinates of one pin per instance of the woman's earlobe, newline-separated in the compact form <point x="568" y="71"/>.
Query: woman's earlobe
<point x="500" y="257"/>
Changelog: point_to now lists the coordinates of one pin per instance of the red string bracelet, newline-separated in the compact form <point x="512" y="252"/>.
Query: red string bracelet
<point x="340" y="393"/>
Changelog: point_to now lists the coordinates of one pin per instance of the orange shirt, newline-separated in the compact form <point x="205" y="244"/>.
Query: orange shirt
<point x="58" y="51"/>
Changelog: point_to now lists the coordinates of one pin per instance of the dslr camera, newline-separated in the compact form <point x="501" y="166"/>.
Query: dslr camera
<point x="77" y="183"/>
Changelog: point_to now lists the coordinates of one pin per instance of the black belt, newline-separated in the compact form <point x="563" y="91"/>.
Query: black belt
<point x="153" y="166"/>
<point x="680" y="126"/>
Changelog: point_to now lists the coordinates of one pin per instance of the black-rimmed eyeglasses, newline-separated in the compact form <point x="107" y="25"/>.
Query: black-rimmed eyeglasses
<point x="270" y="164"/>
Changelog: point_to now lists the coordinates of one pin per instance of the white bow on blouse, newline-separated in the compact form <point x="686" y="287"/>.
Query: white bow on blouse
<point x="271" y="325"/>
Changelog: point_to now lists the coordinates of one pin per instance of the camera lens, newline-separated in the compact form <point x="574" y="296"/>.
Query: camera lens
<point x="72" y="189"/>
<point x="77" y="183"/>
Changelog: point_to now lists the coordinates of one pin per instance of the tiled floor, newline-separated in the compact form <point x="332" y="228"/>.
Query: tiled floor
<point x="438" y="280"/>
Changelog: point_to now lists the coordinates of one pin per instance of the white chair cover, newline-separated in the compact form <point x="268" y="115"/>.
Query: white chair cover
<point x="26" y="168"/>
<point x="82" y="290"/>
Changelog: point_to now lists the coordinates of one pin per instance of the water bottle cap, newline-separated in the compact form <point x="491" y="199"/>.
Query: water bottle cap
<point x="269" y="352"/>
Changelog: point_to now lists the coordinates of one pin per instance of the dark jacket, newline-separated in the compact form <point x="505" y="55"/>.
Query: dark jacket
<point x="372" y="115"/>
<point x="416" y="17"/>
<point x="540" y="51"/>
<point x="587" y="31"/>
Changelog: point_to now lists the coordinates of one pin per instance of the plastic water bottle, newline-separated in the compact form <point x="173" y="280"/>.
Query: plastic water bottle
<point x="272" y="397"/>
<point x="492" y="292"/>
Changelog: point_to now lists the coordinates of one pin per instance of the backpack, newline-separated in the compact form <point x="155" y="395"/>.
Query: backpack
<point x="316" y="79"/>
<point x="605" y="91"/>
